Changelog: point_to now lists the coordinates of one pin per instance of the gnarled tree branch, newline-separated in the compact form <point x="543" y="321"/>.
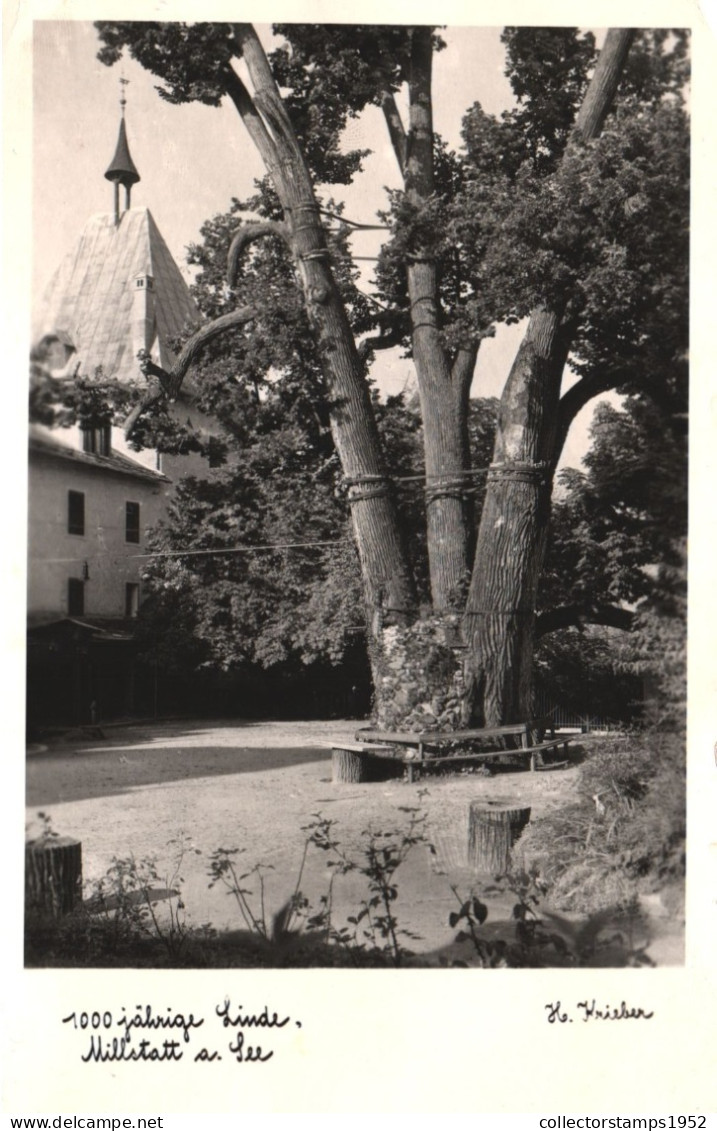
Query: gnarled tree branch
<point x="150" y="399"/>
<point x="247" y="234"/>
<point x="170" y="380"/>
<point x="205" y="334"/>
<point x="567" y="616"/>
<point x="577" y="396"/>
<point x="385" y="341"/>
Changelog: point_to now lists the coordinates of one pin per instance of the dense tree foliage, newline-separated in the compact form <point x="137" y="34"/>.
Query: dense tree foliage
<point x="278" y="483"/>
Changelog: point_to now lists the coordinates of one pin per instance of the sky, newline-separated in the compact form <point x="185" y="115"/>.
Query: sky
<point x="193" y="159"/>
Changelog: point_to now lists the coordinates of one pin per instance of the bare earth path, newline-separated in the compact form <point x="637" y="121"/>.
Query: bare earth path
<point x="142" y="789"/>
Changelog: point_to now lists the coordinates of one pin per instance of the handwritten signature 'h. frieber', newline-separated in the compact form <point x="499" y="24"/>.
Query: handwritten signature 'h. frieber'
<point x="588" y="1011"/>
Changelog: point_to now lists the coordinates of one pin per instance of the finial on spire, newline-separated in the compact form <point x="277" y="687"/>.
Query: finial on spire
<point x="124" y="83"/>
<point x="122" y="169"/>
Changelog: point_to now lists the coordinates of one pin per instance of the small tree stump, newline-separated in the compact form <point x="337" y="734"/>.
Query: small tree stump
<point x="348" y="765"/>
<point x="493" y="829"/>
<point x="357" y="763"/>
<point x="53" y="875"/>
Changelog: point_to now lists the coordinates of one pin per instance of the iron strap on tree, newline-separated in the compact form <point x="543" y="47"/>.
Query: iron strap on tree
<point x="519" y="471"/>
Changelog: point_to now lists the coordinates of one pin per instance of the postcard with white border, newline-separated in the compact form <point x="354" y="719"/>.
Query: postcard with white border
<point x="361" y="617"/>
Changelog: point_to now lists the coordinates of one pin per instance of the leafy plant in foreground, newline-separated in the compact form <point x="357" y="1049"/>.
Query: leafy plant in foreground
<point x="375" y="924"/>
<point x="129" y="893"/>
<point x="531" y="937"/>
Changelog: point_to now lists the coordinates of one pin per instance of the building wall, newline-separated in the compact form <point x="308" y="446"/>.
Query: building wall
<point x="55" y="555"/>
<point x="175" y="466"/>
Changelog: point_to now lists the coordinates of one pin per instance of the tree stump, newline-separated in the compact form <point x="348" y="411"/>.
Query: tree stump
<point x="357" y="763"/>
<point x="348" y="765"/>
<point x="493" y="829"/>
<point x="53" y="875"/>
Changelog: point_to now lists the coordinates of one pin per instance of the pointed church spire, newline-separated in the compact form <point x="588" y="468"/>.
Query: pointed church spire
<point x="122" y="169"/>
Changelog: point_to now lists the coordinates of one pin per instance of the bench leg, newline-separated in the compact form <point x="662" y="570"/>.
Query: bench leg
<point x="524" y="741"/>
<point x="409" y="767"/>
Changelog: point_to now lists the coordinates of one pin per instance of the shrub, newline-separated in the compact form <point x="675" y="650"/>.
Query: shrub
<point x="627" y="833"/>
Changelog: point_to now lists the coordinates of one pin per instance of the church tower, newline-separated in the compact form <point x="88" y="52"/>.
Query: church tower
<point x="122" y="169"/>
<point x="118" y="291"/>
<point x="92" y="499"/>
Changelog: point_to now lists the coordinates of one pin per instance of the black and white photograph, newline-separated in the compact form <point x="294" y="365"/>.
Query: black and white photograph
<point x="362" y="376"/>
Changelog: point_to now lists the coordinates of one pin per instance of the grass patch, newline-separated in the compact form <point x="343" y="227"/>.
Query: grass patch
<point x="626" y="834"/>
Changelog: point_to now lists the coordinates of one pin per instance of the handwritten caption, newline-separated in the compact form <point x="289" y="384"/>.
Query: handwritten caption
<point x="589" y="1010"/>
<point x="149" y="1034"/>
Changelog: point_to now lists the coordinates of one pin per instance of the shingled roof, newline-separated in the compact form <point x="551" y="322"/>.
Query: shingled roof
<point x="90" y="297"/>
<point x="43" y="442"/>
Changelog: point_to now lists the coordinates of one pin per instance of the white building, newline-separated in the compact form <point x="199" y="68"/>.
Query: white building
<point x="91" y="499"/>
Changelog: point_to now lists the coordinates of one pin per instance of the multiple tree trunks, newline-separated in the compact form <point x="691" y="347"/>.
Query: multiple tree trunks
<point x="500" y="611"/>
<point x="53" y="875"/>
<point x="493" y="829"/>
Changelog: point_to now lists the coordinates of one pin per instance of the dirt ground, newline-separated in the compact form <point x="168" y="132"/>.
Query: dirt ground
<point x="144" y="790"/>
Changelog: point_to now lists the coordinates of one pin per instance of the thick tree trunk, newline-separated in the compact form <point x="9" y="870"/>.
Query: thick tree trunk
<point x="443" y="415"/>
<point x="443" y="407"/>
<point x="499" y="620"/>
<point x="387" y="578"/>
<point x="500" y="612"/>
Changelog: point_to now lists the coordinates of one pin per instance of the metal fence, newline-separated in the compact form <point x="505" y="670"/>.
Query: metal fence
<point x="583" y="720"/>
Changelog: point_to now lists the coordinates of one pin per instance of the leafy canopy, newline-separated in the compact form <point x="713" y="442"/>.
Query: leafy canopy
<point x="517" y="219"/>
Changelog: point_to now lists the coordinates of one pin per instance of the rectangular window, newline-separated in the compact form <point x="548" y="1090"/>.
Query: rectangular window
<point x="131" y="599"/>
<point x="75" y="597"/>
<point x="75" y="512"/>
<point x="131" y="531"/>
<point x="97" y="439"/>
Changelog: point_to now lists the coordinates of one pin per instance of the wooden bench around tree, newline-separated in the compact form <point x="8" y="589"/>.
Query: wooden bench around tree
<point x="423" y="749"/>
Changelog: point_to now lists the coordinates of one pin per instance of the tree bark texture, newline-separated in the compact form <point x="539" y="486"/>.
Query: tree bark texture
<point x="499" y="620"/>
<point x="387" y="578"/>
<point x="53" y="875"/>
<point x="500" y="612"/>
<point x="492" y="832"/>
<point x="443" y="407"/>
<point x="604" y="83"/>
<point x="348" y="766"/>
